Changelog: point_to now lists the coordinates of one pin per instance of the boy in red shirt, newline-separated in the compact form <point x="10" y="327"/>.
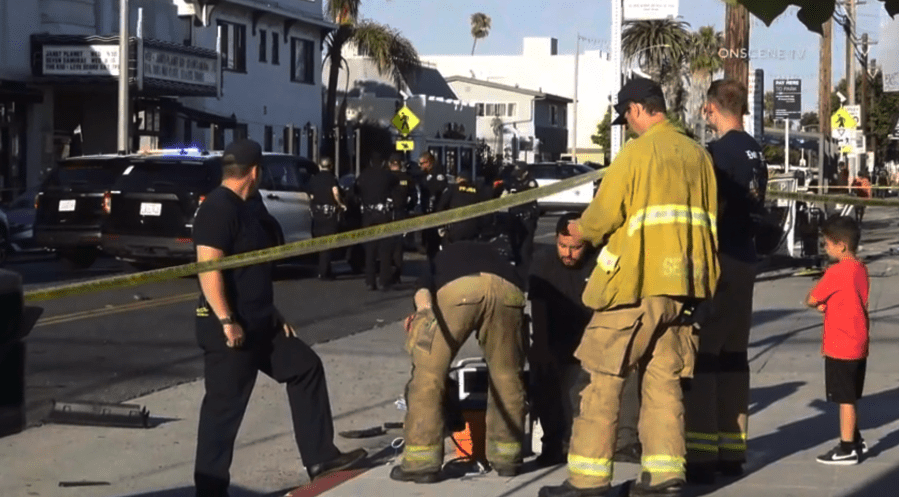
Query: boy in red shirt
<point x="842" y="295"/>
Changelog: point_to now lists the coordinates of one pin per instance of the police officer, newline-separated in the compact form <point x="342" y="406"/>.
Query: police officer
<point x="462" y="194"/>
<point x="432" y="184"/>
<point x="474" y="289"/>
<point x="374" y="187"/>
<point x="241" y="332"/>
<point x="523" y="219"/>
<point x="326" y="206"/>
<point x="402" y="200"/>
<point x="661" y="187"/>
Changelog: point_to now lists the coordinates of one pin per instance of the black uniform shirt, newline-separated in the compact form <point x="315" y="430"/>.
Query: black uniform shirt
<point x="374" y="185"/>
<point x="321" y="188"/>
<point x="232" y="225"/>
<point x="558" y="313"/>
<point x="403" y="193"/>
<point x="432" y="187"/>
<point x="461" y="195"/>
<point x="467" y="258"/>
<point x="523" y="185"/>
<point x="738" y="164"/>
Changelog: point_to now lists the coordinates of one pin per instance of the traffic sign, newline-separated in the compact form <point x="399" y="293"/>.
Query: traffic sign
<point x="788" y="99"/>
<point x="846" y="138"/>
<point x="405" y="121"/>
<point x="405" y="145"/>
<point x="843" y="119"/>
<point x="856" y="112"/>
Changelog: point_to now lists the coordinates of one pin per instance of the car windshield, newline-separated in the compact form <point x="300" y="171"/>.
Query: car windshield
<point x="93" y="173"/>
<point x="159" y="174"/>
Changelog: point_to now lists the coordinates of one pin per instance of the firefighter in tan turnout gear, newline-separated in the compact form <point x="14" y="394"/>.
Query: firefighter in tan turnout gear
<point x="474" y="288"/>
<point x="654" y="215"/>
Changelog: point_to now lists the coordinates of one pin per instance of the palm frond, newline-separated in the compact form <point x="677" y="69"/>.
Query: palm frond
<point x="343" y="11"/>
<point x="480" y="25"/>
<point x="657" y="45"/>
<point x="392" y="54"/>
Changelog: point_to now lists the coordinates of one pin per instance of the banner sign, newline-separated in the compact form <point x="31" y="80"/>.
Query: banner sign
<point x="81" y="60"/>
<point x="178" y="67"/>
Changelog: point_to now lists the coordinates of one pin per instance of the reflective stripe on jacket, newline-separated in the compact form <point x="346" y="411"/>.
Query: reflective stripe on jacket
<point x="656" y="208"/>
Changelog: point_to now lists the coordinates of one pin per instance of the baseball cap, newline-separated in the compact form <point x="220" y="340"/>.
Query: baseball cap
<point x="634" y="90"/>
<point x="397" y="157"/>
<point x="243" y="152"/>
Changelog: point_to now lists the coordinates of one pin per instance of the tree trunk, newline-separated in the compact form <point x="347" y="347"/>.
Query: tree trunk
<point x="331" y="102"/>
<point x="736" y="41"/>
<point x="473" y="45"/>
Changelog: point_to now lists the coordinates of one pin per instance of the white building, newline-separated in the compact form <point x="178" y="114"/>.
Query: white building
<point x="540" y="68"/>
<point x="59" y="70"/>
<point x="446" y="126"/>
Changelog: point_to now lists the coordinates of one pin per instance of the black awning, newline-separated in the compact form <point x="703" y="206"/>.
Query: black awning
<point x="19" y="92"/>
<point x="202" y="117"/>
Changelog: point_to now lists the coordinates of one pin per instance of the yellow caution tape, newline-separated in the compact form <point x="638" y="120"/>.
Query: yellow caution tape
<point x="833" y="199"/>
<point x="314" y="244"/>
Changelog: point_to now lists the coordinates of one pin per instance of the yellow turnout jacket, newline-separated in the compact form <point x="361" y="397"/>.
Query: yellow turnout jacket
<point x="655" y="212"/>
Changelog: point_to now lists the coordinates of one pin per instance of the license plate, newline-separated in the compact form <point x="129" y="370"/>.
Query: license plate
<point x="150" y="209"/>
<point x="66" y="205"/>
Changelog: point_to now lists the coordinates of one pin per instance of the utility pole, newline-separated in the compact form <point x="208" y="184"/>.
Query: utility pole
<point x="736" y="40"/>
<point x="577" y="54"/>
<point x="824" y="111"/>
<point x="853" y="158"/>
<point x="124" y="100"/>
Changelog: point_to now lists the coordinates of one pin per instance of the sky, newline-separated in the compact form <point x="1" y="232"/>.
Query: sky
<point x="440" y="27"/>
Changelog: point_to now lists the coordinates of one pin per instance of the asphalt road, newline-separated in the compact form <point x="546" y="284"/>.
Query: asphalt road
<point x="117" y="345"/>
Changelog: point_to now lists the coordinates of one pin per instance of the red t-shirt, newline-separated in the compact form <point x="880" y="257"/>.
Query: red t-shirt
<point x="844" y="291"/>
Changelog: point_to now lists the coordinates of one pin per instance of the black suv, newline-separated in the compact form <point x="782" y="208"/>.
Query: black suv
<point x="69" y="206"/>
<point x="151" y="207"/>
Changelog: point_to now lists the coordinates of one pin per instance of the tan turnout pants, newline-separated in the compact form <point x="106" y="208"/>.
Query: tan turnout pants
<point x="718" y="398"/>
<point x="615" y="342"/>
<point x="494" y="308"/>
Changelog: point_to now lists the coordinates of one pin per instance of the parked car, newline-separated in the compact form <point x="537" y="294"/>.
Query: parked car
<point x="151" y="207"/>
<point x="573" y="199"/>
<point x="69" y="206"/>
<point x="21" y="213"/>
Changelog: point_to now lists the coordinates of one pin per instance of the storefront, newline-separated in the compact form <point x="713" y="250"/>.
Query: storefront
<point x="81" y="74"/>
<point x="15" y="97"/>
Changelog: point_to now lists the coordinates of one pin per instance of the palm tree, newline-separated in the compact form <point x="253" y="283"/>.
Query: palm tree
<point x="480" y="28"/>
<point x="392" y="54"/>
<point x="660" y="47"/>
<point x="704" y="61"/>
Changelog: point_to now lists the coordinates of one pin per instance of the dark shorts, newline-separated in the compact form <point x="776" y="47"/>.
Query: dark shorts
<point x="844" y="379"/>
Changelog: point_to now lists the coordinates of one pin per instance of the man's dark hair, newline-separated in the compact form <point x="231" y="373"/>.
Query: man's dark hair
<point x="562" y="223"/>
<point x="240" y="157"/>
<point x="653" y="104"/>
<point x="729" y="95"/>
<point x="842" y="229"/>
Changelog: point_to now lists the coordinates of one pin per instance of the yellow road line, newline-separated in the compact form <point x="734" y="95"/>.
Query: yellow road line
<point x="118" y="309"/>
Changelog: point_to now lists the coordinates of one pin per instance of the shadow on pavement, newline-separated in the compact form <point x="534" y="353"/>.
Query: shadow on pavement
<point x="233" y="491"/>
<point x="875" y="411"/>
<point x="763" y="316"/>
<point x="761" y="398"/>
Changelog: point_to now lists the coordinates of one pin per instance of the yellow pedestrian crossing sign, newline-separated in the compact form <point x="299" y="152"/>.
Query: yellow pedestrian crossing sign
<point x="842" y="119"/>
<point x="405" y="145"/>
<point x="405" y="121"/>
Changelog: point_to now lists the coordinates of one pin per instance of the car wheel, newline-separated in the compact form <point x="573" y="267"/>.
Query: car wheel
<point x="81" y="257"/>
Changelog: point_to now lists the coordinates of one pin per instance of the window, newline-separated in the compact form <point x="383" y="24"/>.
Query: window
<point x="500" y="109"/>
<point x="276" y="45"/>
<point x="480" y="108"/>
<point x="269" y="138"/>
<point x="301" y="68"/>
<point x="263" y="45"/>
<point x="489" y="110"/>
<point x="280" y="173"/>
<point x="553" y="115"/>
<point x="234" y="46"/>
<point x="511" y="108"/>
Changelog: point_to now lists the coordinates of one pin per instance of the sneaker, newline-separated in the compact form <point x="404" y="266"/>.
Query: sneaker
<point x="862" y="447"/>
<point x="838" y="457"/>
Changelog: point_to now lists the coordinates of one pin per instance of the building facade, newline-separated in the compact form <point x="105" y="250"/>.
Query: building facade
<point x="201" y="72"/>
<point x="520" y="124"/>
<point x="541" y="68"/>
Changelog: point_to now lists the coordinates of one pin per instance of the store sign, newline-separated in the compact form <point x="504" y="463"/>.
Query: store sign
<point x="180" y="68"/>
<point x="649" y="10"/>
<point x="81" y="60"/>
<point x="788" y="99"/>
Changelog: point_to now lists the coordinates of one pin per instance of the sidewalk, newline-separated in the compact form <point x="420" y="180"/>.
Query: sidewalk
<point x="790" y="423"/>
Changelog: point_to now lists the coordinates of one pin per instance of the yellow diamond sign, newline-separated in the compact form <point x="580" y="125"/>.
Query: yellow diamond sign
<point x="405" y="121"/>
<point x="842" y="119"/>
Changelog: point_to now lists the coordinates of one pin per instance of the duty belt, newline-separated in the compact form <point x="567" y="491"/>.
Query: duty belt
<point x="374" y="208"/>
<point x="325" y="209"/>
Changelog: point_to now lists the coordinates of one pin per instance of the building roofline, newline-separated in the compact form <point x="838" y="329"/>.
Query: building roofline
<point x="515" y="89"/>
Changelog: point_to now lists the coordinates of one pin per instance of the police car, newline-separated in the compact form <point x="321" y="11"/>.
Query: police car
<point x="573" y="199"/>
<point x="150" y="208"/>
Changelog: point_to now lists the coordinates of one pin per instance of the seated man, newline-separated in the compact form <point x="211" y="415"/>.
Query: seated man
<point x="473" y="288"/>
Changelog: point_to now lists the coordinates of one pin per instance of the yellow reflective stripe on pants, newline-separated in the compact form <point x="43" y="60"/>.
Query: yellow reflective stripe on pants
<point x="590" y="466"/>
<point x="702" y="447"/>
<point x="426" y="453"/>
<point x="695" y="435"/>
<point x="703" y="442"/>
<point x="672" y="214"/>
<point x="504" y="448"/>
<point x="732" y="441"/>
<point x="663" y="464"/>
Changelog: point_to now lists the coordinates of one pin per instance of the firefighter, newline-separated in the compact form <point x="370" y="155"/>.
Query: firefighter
<point x="474" y="289"/>
<point x="462" y="194"/>
<point x="402" y="201"/>
<point x="654" y="215"/>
